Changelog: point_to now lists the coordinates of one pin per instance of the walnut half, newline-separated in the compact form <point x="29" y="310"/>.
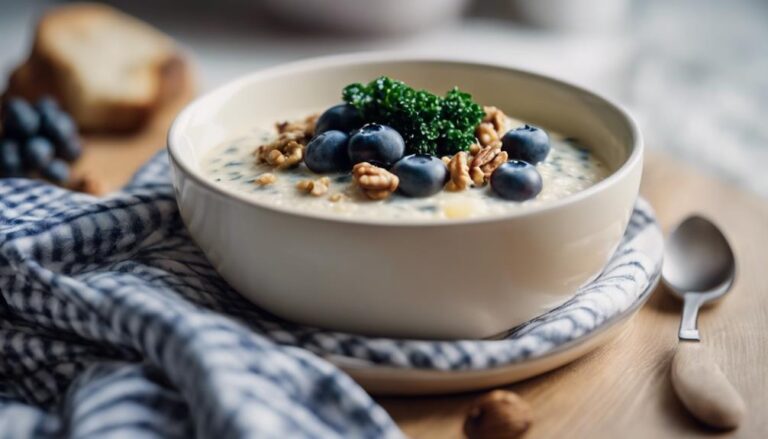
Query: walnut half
<point x="493" y="126"/>
<point x="496" y="118"/>
<point x="459" y="173"/>
<point x="487" y="135"/>
<point x="498" y="414"/>
<point x="485" y="162"/>
<point x="376" y="183"/>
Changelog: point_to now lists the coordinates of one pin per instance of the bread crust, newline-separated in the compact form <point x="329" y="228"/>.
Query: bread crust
<point x="46" y="72"/>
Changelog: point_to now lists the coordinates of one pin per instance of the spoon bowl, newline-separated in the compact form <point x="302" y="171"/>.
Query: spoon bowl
<point x="698" y="260"/>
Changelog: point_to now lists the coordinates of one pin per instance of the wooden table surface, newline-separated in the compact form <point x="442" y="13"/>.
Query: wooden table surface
<point x="621" y="389"/>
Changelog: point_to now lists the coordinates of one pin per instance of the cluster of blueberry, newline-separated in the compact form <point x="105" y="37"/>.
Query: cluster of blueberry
<point x="518" y="179"/>
<point x="341" y="141"/>
<point x="37" y="139"/>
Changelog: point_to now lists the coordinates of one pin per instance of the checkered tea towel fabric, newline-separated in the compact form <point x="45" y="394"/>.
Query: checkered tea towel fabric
<point x="113" y="323"/>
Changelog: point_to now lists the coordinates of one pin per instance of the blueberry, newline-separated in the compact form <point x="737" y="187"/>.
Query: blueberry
<point x="37" y="153"/>
<point x="516" y="180"/>
<point x="327" y="152"/>
<point x="378" y="144"/>
<point x="20" y="121"/>
<point x="70" y="149"/>
<point x="57" y="171"/>
<point x="60" y="129"/>
<point x="10" y="159"/>
<point x="45" y="104"/>
<point x="342" y="117"/>
<point x="527" y="143"/>
<point x="421" y="175"/>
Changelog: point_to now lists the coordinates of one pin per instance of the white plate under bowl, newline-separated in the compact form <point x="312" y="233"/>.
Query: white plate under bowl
<point x="597" y="314"/>
<point x="384" y="380"/>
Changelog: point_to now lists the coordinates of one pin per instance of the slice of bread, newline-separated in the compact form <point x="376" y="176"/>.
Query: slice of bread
<point x="108" y="69"/>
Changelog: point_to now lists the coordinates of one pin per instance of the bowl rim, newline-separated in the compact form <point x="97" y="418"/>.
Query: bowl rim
<point x="339" y="61"/>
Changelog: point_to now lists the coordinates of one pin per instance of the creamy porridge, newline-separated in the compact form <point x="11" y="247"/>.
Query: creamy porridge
<point x="568" y="168"/>
<point x="390" y="151"/>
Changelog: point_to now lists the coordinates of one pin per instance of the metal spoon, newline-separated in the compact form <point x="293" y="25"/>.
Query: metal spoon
<point x="699" y="268"/>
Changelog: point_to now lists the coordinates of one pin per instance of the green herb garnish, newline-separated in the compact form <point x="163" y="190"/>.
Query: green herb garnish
<point x="429" y="124"/>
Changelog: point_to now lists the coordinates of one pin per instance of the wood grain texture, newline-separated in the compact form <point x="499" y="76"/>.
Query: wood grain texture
<point x="622" y="389"/>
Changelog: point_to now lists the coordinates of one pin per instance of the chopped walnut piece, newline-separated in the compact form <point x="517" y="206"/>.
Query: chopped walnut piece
<point x="487" y="136"/>
<point x="486" y="161"/>
<point x="306" y="126"/>
<point x="459" y="173"/>
<point x="477" y="175"/>
<point x="287" y="149"/>
<point x="338" y="196"/>
<point x="284" y="152"/>
<point x="497" y="118"/>
<point x="265" y="179"/>
<point x="376" y="183"/>
<point x="314" y="187"/>
<point x="493" y="126"/>
<point x="304" y="185"/>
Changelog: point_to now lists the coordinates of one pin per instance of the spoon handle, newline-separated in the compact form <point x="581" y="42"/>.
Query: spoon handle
<point x="703" y="388"/>
<point x="688" y="327"/>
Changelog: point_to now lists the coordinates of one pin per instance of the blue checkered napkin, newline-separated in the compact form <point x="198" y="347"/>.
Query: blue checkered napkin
<point x="112" y="323"/>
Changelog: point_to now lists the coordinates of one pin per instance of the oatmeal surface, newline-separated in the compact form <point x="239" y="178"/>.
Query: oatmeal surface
<point x="569" y="168"/>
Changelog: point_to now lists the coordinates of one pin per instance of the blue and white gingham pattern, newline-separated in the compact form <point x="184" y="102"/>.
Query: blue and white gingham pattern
<point x="113" y="323"/>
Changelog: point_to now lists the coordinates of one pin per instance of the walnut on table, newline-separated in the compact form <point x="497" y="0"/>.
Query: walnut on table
<point x="498" y="414"/>
<point x="376" y="183"/>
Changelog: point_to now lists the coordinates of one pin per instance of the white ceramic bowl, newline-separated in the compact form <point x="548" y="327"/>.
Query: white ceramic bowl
<point x="448" y="279"/>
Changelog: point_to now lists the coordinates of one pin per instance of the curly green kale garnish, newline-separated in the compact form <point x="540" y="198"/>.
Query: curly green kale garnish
<point x="429" y="124"/>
